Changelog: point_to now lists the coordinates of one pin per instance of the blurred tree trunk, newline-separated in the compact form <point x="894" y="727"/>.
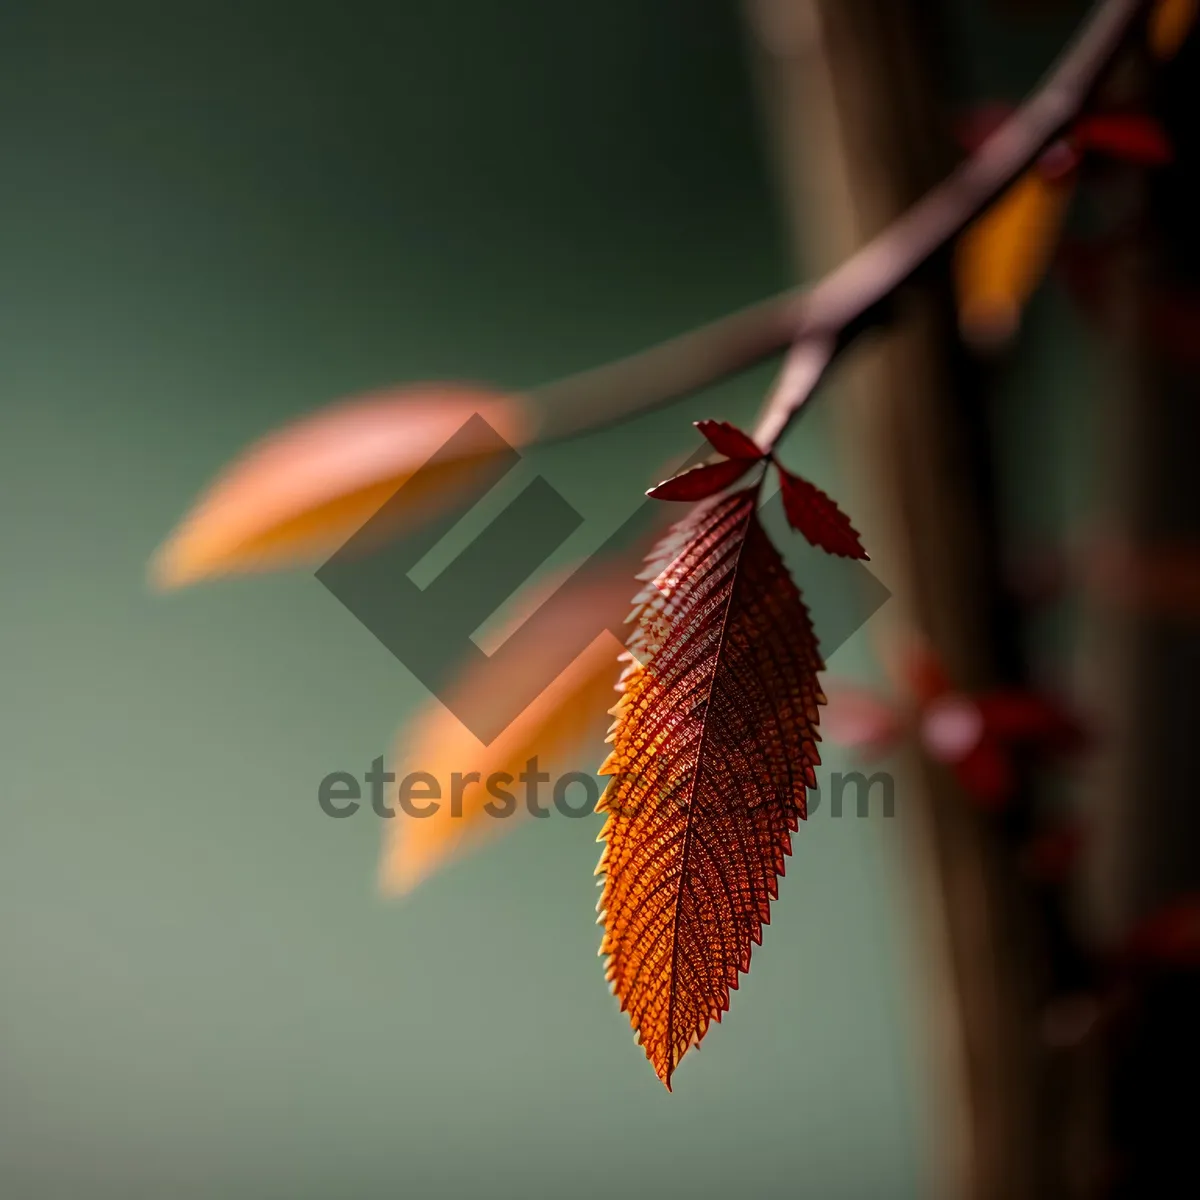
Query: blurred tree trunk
<point x="1139" y="662"/>
<point x="859" y="133"/>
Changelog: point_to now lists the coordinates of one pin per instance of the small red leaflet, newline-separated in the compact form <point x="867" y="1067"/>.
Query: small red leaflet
<point x="811" y="512"/>
<point x="730" y="440"/>
<point x="701" y="482"/>
<point x="704" y="481"/>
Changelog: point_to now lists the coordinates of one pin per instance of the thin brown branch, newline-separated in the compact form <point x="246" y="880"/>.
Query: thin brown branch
<point x="823" y="315"/>
<point x="671" y="369"/>
<point x="841" y="301"/>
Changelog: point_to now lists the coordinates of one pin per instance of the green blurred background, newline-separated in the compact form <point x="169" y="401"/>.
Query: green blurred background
<point x="215" y="217"/>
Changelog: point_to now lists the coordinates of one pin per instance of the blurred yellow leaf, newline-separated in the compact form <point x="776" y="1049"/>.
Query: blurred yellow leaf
<point x="552" y="728"/>
<point x="301" y="492"/>
<point x="1001" y="259"/>
<point x="1170" y="23"/>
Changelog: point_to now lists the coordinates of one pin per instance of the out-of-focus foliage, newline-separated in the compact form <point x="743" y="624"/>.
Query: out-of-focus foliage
<point x="976" y="736"/>
<point x="1171" y="22"/>
<point x="553" y="729"/>
<point x="1004" y="256"/>
<point x="302" y="492"/>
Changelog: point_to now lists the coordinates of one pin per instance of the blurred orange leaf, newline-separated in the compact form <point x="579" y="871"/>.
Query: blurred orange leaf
<point x="1170" y="23"/>
<point x="551" y="729"/>
<point x="301" y="492"/>
<point x="1003" y="257"/>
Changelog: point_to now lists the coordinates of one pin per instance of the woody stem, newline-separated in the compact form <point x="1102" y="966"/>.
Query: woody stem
<point x="819" y="322"/>
<point x="842" y="304"/>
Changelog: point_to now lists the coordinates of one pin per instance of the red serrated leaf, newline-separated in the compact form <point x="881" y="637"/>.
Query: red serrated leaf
<point x="811" y="512"/>
<point x="729" y="440"/>
<point x="714" y="746"/>
<point x="1132" y="137"/>
<point x="701" y="482"/>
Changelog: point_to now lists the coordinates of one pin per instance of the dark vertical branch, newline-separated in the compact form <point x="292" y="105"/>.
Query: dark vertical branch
<point x="1147" y="813"/>
<point x="862" y="131"/>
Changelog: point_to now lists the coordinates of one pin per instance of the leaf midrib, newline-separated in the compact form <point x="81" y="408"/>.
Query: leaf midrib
<point x="691" y="798"/>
